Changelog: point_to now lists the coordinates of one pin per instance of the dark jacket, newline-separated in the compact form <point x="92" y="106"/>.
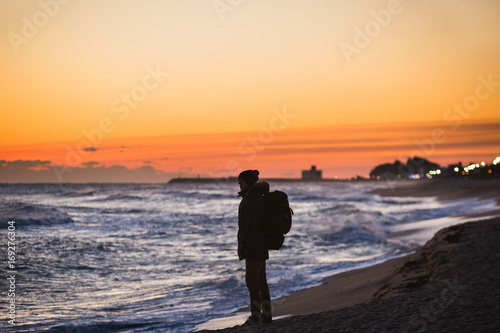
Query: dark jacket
<point x="250" y="236"/>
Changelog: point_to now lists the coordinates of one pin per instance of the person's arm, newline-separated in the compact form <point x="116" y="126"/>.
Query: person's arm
<point x="254" y="215"/>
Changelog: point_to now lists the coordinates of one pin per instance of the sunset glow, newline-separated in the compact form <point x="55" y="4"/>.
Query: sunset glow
<point x="186" y="87"/>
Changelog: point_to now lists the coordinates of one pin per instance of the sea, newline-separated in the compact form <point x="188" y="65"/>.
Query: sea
<point x="162" y="257"/>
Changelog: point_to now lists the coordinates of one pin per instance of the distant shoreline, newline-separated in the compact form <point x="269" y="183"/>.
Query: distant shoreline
<point x="235" y="180"/>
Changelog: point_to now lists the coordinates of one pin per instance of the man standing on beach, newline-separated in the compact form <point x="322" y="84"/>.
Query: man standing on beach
<point x="251" y="247"/>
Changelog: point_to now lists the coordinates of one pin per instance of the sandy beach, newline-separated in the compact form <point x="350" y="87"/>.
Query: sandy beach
<point x="449" y="283"/>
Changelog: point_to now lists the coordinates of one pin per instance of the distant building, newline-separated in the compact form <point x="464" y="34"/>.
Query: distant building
<point x="312" y="174"/>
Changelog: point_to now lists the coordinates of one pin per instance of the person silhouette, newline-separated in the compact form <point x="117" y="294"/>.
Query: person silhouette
<point x="251" y="247"/>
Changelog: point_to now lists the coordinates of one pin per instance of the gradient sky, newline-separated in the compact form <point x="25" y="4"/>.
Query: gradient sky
<point x="232" y="68"/>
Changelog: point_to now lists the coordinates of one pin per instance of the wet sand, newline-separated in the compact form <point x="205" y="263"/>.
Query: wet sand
<point x="449" y="284"/>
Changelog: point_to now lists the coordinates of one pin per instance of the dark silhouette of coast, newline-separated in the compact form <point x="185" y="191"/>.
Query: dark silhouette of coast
<point x="234" y="180"/>
<point x="415" y="168"/>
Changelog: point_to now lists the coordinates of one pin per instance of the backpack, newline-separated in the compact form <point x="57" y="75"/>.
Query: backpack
<point x="277" y="219"/>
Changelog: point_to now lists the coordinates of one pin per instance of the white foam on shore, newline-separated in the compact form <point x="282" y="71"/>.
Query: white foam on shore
<point x="226" y="322"/>
<point x="422" y="231"/>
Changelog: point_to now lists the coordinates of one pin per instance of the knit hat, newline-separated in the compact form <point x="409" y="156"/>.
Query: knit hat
<point x="250" y="176"/>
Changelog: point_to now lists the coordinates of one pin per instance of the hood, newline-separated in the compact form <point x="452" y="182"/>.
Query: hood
<point x="261" y="186"/>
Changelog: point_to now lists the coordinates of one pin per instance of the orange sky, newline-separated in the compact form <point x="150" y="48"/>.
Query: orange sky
<point x="183" y="85"/>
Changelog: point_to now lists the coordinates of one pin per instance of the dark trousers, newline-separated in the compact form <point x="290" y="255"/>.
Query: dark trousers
<point x="260" y="299"/>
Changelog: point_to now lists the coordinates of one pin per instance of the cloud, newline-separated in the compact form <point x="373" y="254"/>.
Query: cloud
<point x="90" y="149"/>
<point x="90" y="164"/>
<point x="147" y="162"/>
<point x="24" y="165"/>
<point x="36" y="171"/>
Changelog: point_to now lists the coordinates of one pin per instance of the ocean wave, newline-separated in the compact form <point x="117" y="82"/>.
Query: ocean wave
<point x="26" y="214"/>
<point x="230" y="283"/>
<point x="86" y="192"/>
<point x="120" y="197"/>
<point x="103" y="327"/>
<point x="342" y="208"/>
<point x="396" y="202"/>
<point x="217" y="196"/>
<point x="357" y="199"/>
<point x="118" y="211"/>
<point x="307" y="197"/>
<point x="195" y="194"/>
<point x="350" y="234"/>
<point x="178" y="243"/>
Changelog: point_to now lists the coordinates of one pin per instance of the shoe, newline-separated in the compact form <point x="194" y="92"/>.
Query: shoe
<point x="266" y="319"/>
<point x="251" y="321"/>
